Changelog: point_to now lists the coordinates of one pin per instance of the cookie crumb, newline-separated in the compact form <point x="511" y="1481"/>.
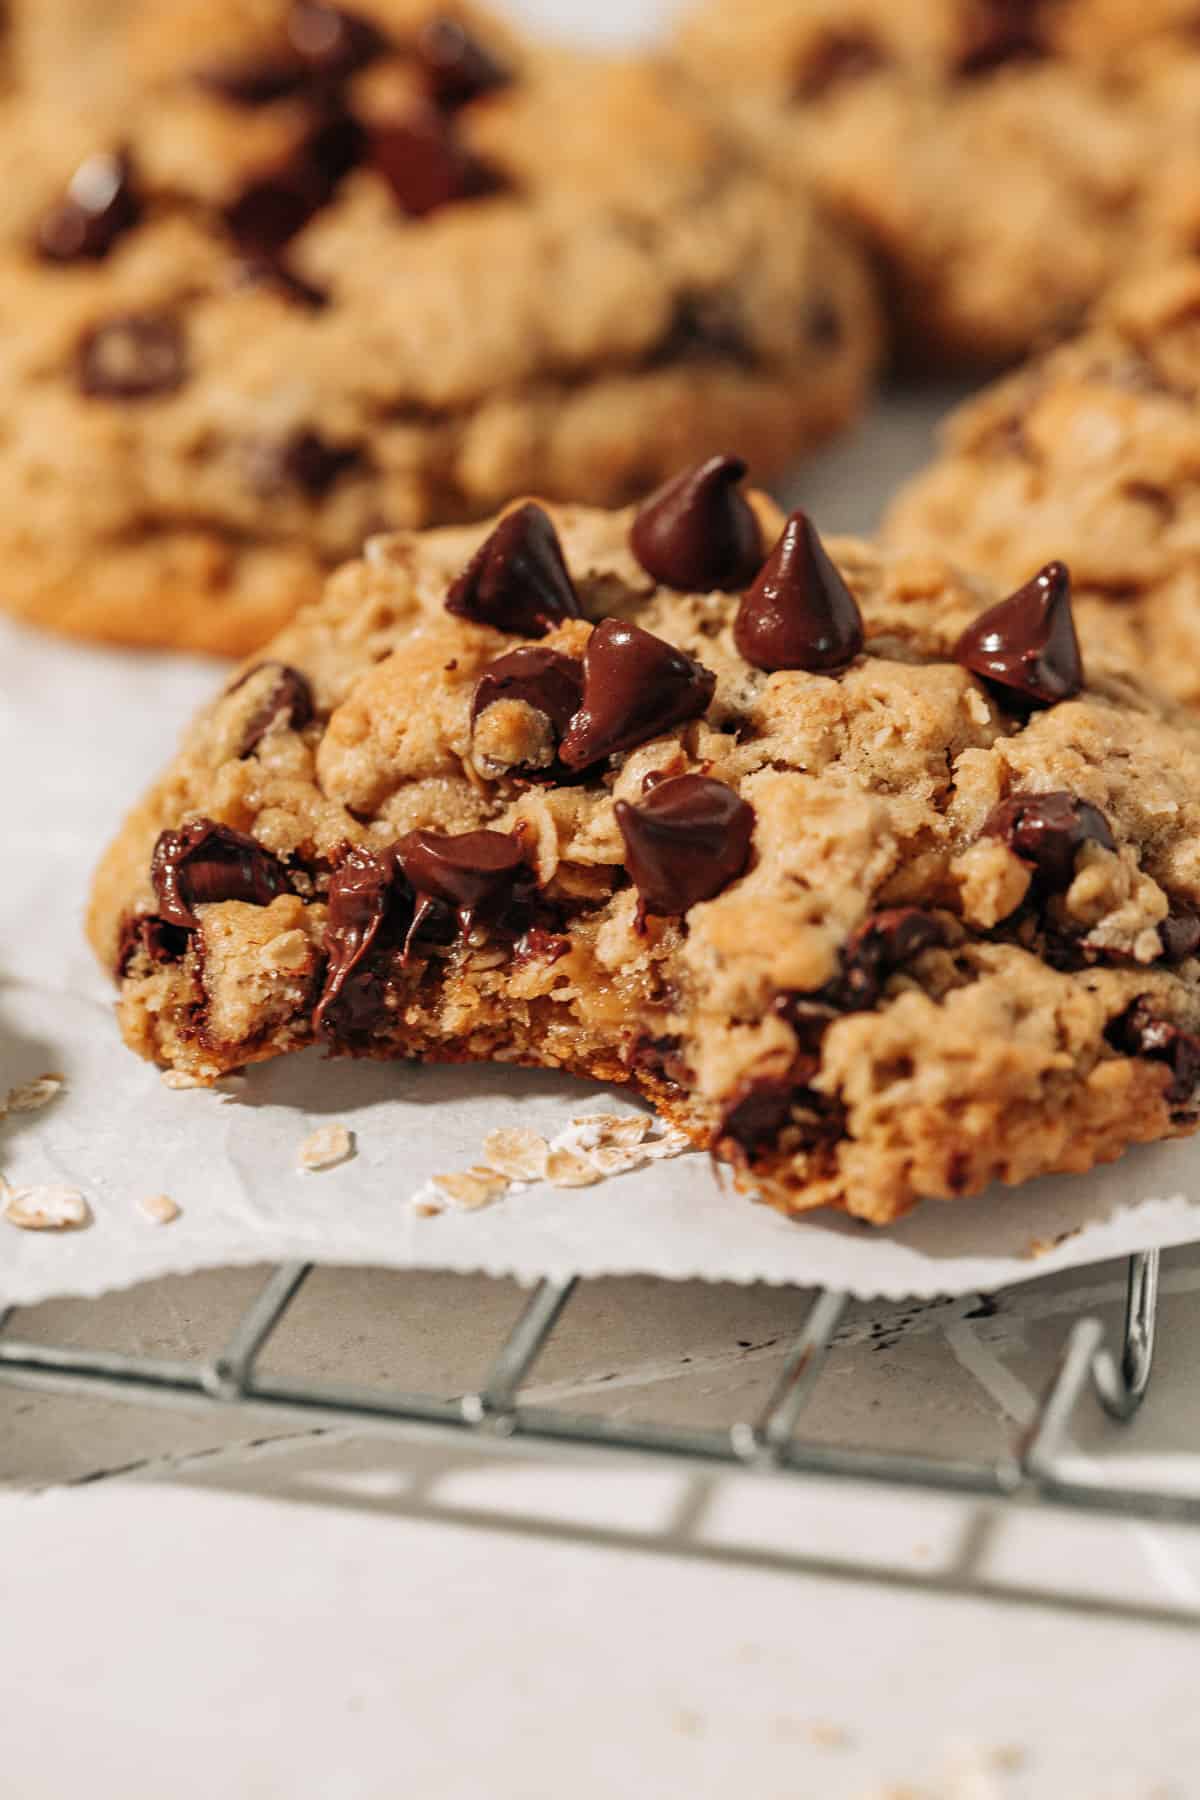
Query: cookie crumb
<point x="472" y="1188"/>
<point x="425" y="1209"/>
<point x="159" y="1208"/>
<point x="30" y="1095"/>
<point x="1043" y="1246"/>
<point x="52" y="1208"/>
<point x="564" y="1169"/>
<point x="516" y="1152"/>
<point x="179" y="1079"/>
<point x="325" y="1147"/>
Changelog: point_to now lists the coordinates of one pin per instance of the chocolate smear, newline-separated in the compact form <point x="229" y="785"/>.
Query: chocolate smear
<point x="635" y="687"/>
<point x="799" y="614"/>
<point x="517" y="580"/>
<point x="101" y="204"/>
<point x="361" y="892"/>
<point x="1025" y="648"/>
<point x="698" y="532"/>
<point x="204" y="863"/>
<point x="685" y="842"/>
<point x="1047" y="831"/>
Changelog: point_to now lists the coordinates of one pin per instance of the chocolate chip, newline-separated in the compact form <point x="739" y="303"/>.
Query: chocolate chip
<point x="1139" y="1031"/>
<point x="762" y="1108"/>
<point x="331" y="42"/>
<point x="686" y="841"/>
<point x="550" y="684"/>
<point x="153" y="937"/>
<point x="426" y="164"/>
<point x="100" y="206"/>
<point x="289" y="698"/>
<point x="1004" y="31"/>
<point x="705" y="328"/>
<point x="517" y="580"/>
<point x="699" y="532"/>
<point x="255" y="80"/>
<point x="839" y="58"/>
<point x="136" y="357"/>
<point x="635" y="687"/>
<point x="1179" y="935"/>
<point x="273" y="207"/>
<point x="1046" y="831"/>
<point x="1025" y="648"/>
<point x="204" y="863"/>
<point x="362" y="890"/>
<point x="457" y="67"/>
<point x="882" y="944"/>
<point x="472" y="873"/>
<point x="304" y="460"/>
<point x="799" y="614"/>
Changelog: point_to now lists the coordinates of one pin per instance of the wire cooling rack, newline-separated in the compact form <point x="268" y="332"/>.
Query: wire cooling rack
<point x="1037" y="1469"/>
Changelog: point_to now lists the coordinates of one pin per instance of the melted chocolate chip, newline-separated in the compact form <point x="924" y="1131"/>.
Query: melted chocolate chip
<point x="635" y="687"/>
<point x="426" y="164"/>
<point x="1139" y="1031"/>
<point x="1179" y="935"/>
<point x="303" y="460"/>
<point x="332" y="43"/>
<point x="362" y="890"/>
<point x="543" y="679"/>
<point x="161" y="942"/>
<point x="473" y="873"/>
<point x="762" y="1108"/>
<point x="699" y="532"/>
<point x="1025" y="648"/>
<point x="882" y="944"/>
<point x="799" y="614"/>
<point x="1046" y="831"/>
<point x="100" y="206"/>
<point x="517" y="580"/>
<point x="688" y="839"/>
<point x="457" y="67"/>
<point x="204" y="863"/>
<point x="137" y="357"/>
<point x="841" y="57"/>
<point x="289" y="698"/>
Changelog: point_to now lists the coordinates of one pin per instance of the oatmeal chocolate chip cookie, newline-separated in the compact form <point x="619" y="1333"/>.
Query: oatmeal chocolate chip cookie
<point x="992" y="152"/>
<point x="878" y="884"/>
<point x="1091" y="453"/>
<point x="339" y="271"/>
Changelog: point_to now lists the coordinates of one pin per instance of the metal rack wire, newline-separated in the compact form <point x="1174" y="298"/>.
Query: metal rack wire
<point x="1035" y="1471"/>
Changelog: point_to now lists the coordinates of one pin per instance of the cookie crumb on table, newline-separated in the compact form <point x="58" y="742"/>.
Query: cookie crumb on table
<point x="160" y="1209"/>
<point x="324" y="1148"/>
<point x="48" y="1208"/>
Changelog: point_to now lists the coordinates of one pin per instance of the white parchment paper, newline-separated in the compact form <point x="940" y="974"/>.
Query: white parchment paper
<point x="81" y="732"/>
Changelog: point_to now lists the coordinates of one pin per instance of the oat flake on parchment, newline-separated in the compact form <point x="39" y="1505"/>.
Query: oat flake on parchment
<point x="567" y="1169"/>
<point x="160" y="1209"/>
<point x="29" y="1096"/>
<point x="472" y="1188"/>
<point x="51" y="1208"/>
<point x="324" y="1148"/>
<point x="516" y="1152"/>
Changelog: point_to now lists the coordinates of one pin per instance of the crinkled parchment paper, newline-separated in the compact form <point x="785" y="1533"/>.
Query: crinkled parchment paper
<point x="81" y="731"/>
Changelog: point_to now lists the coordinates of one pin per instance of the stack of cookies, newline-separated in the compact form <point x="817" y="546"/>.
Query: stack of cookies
<point x="876" y="868"/>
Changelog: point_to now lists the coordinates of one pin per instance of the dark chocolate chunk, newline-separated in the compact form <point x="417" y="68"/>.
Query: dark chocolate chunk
<point x="686" y="841"/>
<point x="635" y="687"/>
<point x="1046" y="831"/>
<point x="101" y="204"/>
<point x="548" y="682"/>
<point x="705" y="328"/>
<point x="699" y="532"/>
<point x="840" y="57"/>
<point x="203" y="863"/>
<point x="457" y="67"/>
<point x="136" y="357"/>
<point x="331" y="42"/>
<point x="1139" y="1031"/>
<point x="1025" y="648"/>
<point x="303" y="460"/>
<point x="273" y="207"/>
<point x="362" y="891"/>
<point x="882" y="944"/>
<point x="426" y="164"/>
<point x="144" y="932"/>
<point x="473" y="873"/>
<point x="255" y="80"/>
<point x="517" y="580"/>
<point x="799" y="614"/>
<point x="289" y="698"/>
<point x="1179" y="934"/>
<point x="762" y="1108"/>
